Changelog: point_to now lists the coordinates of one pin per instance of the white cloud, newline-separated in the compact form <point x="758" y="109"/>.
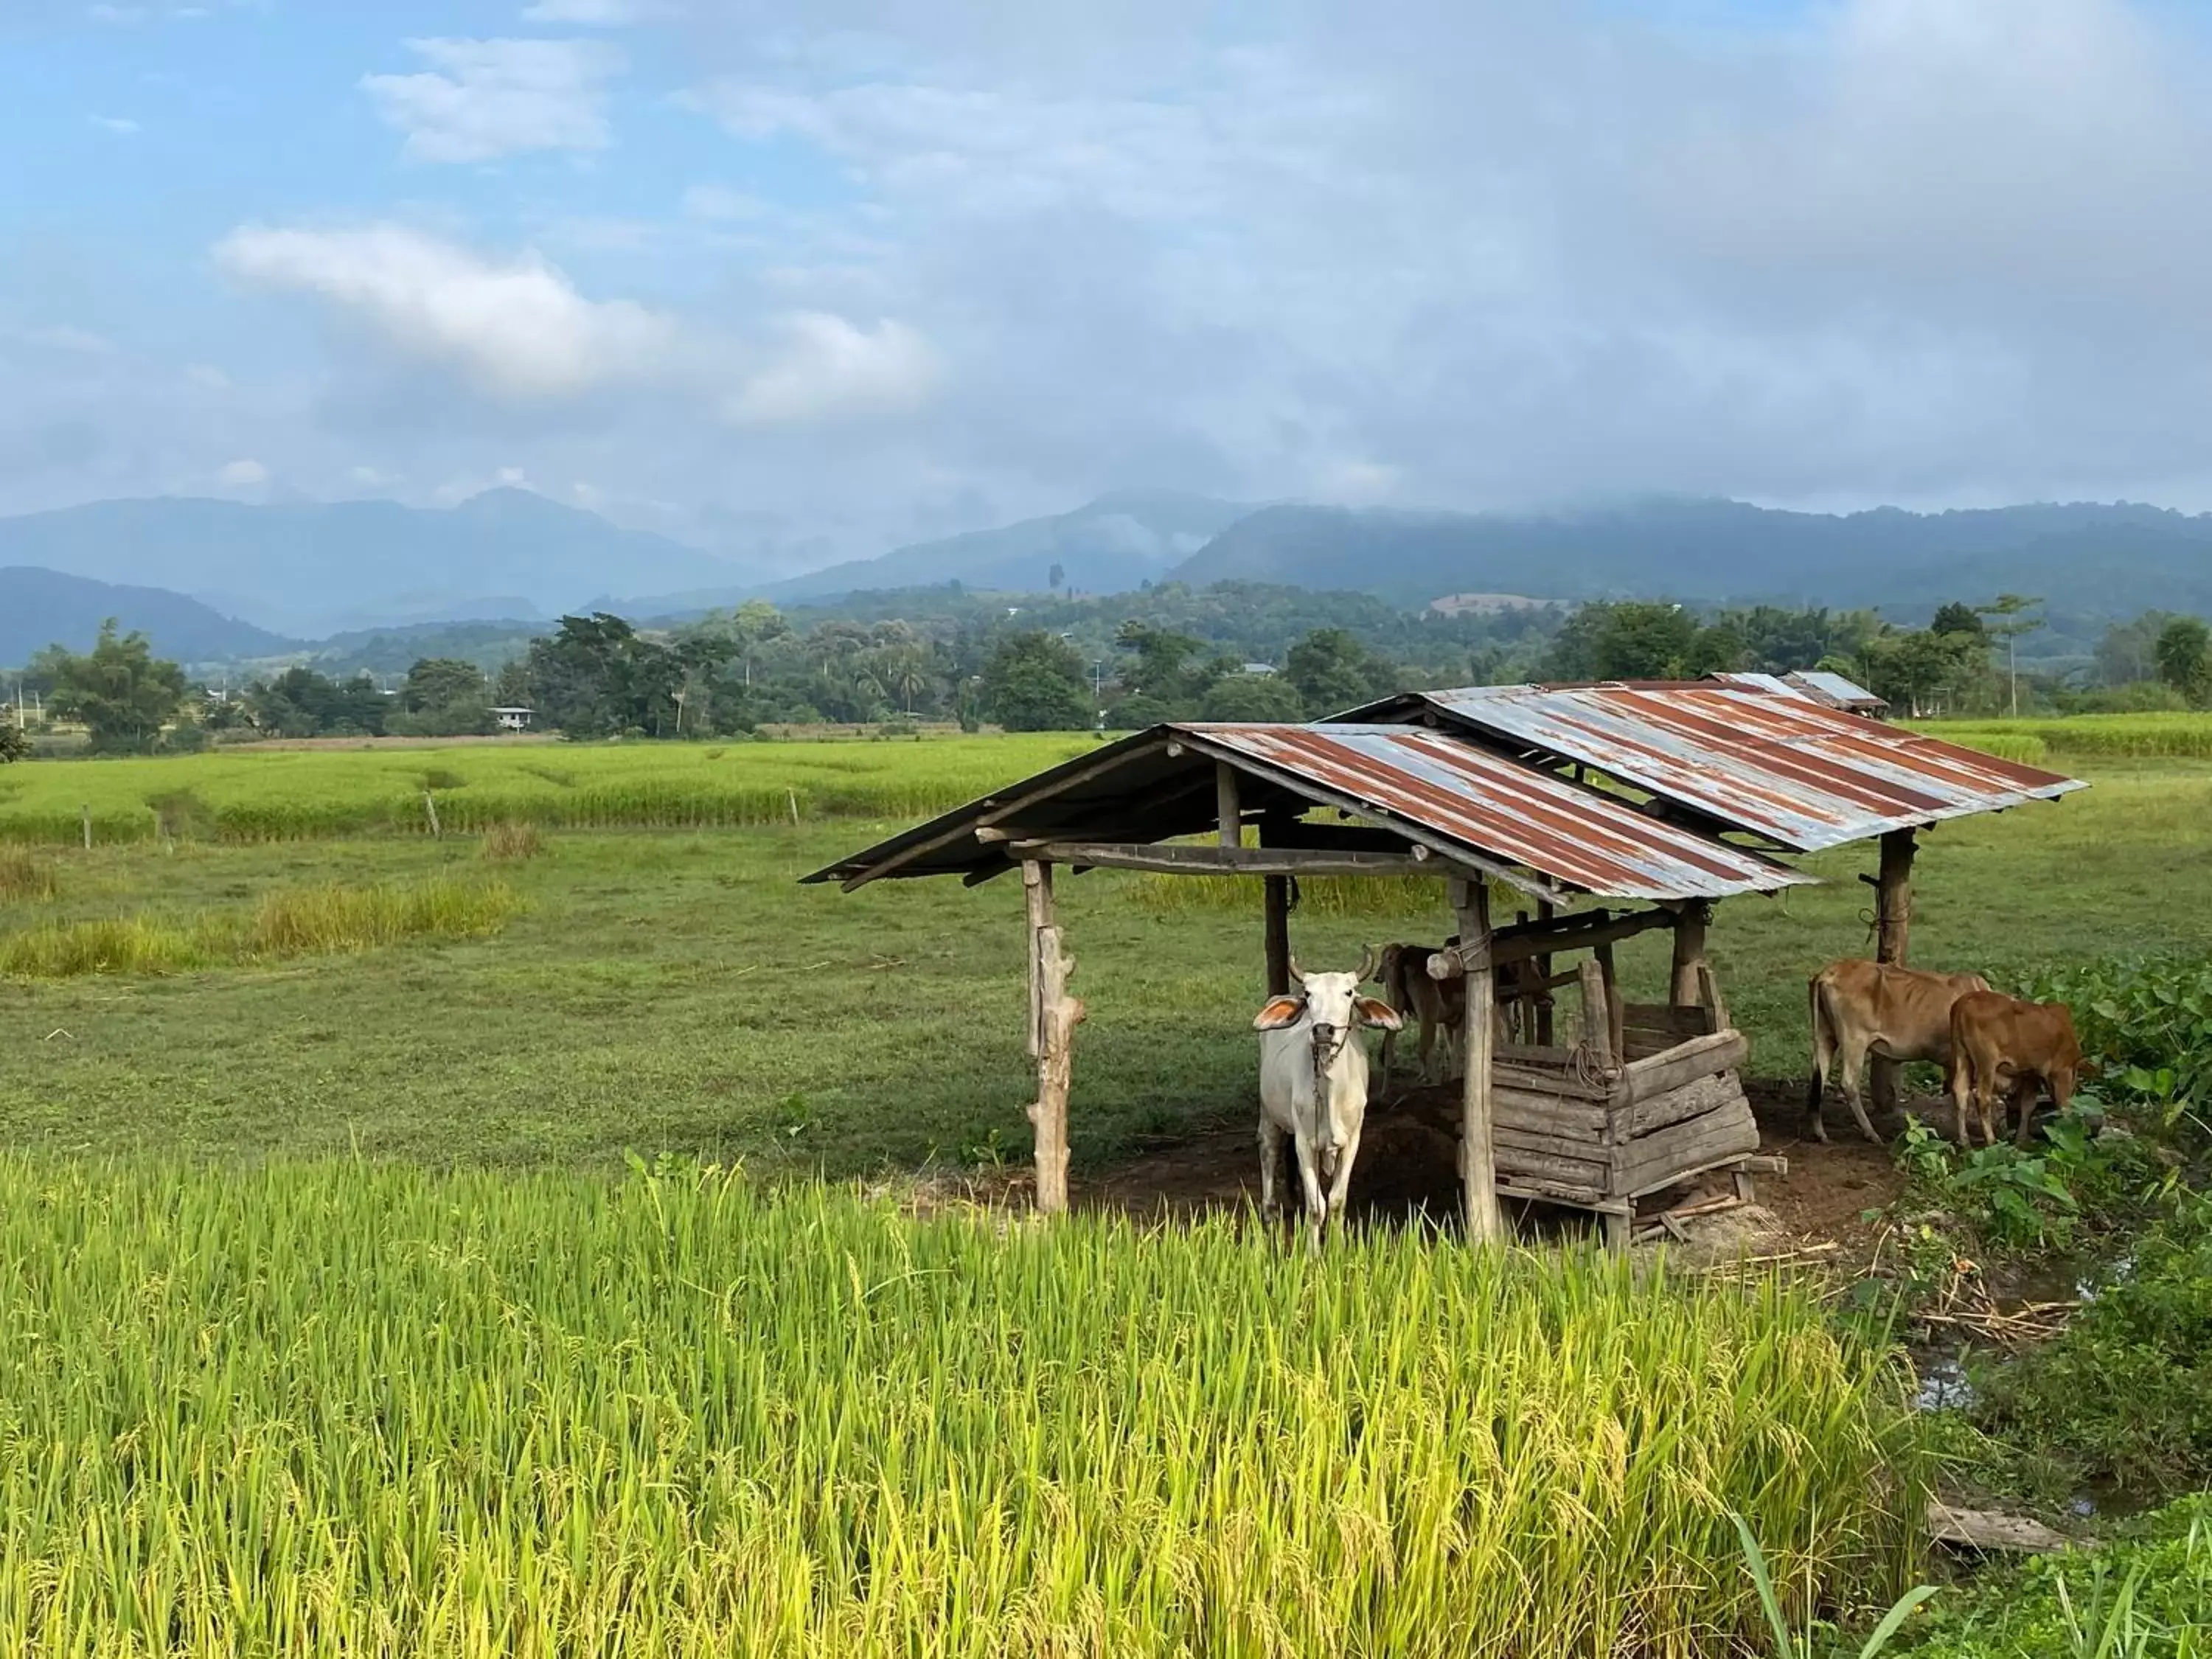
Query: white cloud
<point x="116" y="14"/>
<point x="516" y="328"/>
<point x="484" y="99"/>
<point x="122" y="125"/>
<point x="826" y="367"/>
<point x="372" y="477"/>
<point x="243" y="475"/>
<point x="721" y="202"/>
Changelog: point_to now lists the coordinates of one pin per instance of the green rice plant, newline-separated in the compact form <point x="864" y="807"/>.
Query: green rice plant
<point x="505" y="842"/>
<point x="2116" y="736"/>
<point x="285" y="795"/>
<point x="351" y="1407"/>
<point x="1795" y="1645"/>
<point x="292" y="922"/>
<point x="1407" y="899"/>
<point x="25" y="878"/>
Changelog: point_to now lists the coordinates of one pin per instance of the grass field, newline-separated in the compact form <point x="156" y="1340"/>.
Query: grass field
<point x="348" y="1408"/>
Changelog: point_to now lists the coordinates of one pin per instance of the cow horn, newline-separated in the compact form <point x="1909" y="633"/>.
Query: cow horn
<point x="1295" y="974"/>
<point x="1366" y="962"/>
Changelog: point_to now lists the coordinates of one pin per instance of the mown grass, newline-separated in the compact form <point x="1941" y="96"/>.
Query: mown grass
<point x="299" y="794"/>
<point x="350" y="1408"/>
<point x="323" y="919"/>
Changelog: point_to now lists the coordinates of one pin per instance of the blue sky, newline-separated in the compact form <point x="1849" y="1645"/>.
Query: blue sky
<point x="797" y="282"/>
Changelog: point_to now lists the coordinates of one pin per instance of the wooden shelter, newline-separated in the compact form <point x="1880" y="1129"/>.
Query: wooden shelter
<point x="1529" y="787"/>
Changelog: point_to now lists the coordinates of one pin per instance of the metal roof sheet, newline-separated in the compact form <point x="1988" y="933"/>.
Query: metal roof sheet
<point x="1769" y="683"/>
<point x="1834" y="688"/>
<point x="1498" y="806"/>
<point x="1805" y="775"/>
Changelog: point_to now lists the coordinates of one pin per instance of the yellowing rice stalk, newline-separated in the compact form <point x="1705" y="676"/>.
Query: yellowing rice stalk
<point x="292" y="922"/>
<point x="25" y="878"/>
<point x="340" y="1409"/>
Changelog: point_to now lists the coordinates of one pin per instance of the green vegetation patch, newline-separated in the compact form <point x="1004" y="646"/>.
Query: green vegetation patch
<point x="329" y="917"/>
<point x="346" y="1407"/>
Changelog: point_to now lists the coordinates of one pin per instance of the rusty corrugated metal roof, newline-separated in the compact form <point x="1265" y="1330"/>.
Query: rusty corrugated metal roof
<point x="1833" y="688"/>
<point x="1497" y="807"/>
<point x="1803" y="775"/>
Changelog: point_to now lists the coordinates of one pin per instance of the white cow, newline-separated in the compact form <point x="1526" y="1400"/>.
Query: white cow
<point x="1313" y="1084"/>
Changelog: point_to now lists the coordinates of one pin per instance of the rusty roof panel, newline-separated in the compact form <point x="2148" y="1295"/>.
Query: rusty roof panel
<point x="1497" y="807"/>
<point x="1803" y="775"/>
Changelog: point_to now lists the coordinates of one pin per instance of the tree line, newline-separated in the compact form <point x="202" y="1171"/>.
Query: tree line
<point x="733" y="672"/>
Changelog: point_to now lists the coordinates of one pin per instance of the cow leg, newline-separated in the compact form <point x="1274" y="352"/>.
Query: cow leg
<point x="1310" y="1180"/>
<point x="1961" y="1080"/>
<point x="1850" y="1070"/>
<point x="1428" y="1044"/>
<point x="2023" y="1099"/>
<point x="1342" y="1184"/>
<point x="1824" y="1055"/>
<point x="1271" y="1161"/>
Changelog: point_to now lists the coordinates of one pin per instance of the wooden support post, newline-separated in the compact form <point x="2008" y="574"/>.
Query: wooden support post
<point x="1597" y="1020"/>
<point x="1478" y="1158"/>
<point x="1616" y="1014"/>
<point x="1546" y="911"/>
<point x="87" y="829"/>
<point x="1054" y="1016"/>
<point x="1690" y="925"/>
<point x="1893" y="920"/>
<point x="1278" y="890"/>
<point x="1226" y="809"/>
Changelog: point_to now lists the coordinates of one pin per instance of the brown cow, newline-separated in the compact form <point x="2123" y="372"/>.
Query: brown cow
<point x="2000" y="1045"/>
<point x="1872" y="1008"/>
<point x="1402" y="970"/>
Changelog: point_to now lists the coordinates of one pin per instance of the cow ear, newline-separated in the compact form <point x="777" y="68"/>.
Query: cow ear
<point x="1278" y="1012"/>
<point x="1381" y="1015"/>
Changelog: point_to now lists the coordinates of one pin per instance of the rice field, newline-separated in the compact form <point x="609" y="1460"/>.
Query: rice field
<point x="348" y="1408"/>
<point x="283" y="795"/>
<point x="2094" y="737"/>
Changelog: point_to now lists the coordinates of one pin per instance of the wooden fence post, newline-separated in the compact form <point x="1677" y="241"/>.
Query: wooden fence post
<point x="1478" y="1156"/>
<point x="87" y="827"/>
<point x="1893" y="920"/>
<point x="430" y="805"/>
<point x="1054" y="1016"/>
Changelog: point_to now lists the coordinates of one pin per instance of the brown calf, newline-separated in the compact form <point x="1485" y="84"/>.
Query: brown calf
<point x="2000" y="1045"/>
<point x="1402" y="970"/>
<point x="1872" y="1008"/>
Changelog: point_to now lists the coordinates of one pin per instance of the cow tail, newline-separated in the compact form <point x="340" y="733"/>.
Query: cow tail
<point x="1824" y="1048"/>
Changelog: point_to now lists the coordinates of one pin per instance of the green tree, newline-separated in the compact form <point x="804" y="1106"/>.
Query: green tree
<point x="1034" y="683"/>
<point x="13" y="745"/>
<point x="596" y="676"/>
<point x="119" y="691"/>
<point x="1630" y="639"/>
<point x="2185" y="657"/>
<point x="1255" y="697"/>
<point x="302" y="703"/>
<point x="1328" y="669"/>
<point x="1956" y="618"/>
<point x="2009" y="622"/>
<point x="439" y="681"/>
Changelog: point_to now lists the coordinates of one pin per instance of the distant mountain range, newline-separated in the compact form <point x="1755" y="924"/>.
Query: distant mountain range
<point x="1107" y="546"/>
<point x="39" y="608"/>
<point x="2085" y="558"/>
<point x="512" y="556"/>
<point x="310" y="569"/>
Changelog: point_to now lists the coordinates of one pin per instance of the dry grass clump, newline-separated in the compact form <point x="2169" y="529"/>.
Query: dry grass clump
<point x="680" y="1414"/>
<point x="25" y="878"/>
<point x="295" y="921"/>
<point x="512" y="840"/>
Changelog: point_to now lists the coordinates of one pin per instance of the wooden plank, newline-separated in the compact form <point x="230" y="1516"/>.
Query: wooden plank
<point x="1642" y="1079"/>
<point x="1533" y="1114"/>
<point x="1169" y="860"/>
<point x="1584" y="930"/>
<point x="1550" y="1192"/>
<point x="1486" y="1222"/>
<point x="1988" y="1531"/>
<point x="1550" y="1080"/>
<point x="1694" y="1099"/>
<point x="1679" y="1149"/>
<point x="1516" y="1160"/>
<point x="966" y="826"/>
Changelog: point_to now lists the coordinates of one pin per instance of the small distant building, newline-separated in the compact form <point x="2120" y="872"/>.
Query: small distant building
<point x="1830" y="690"/>
<point x="1257" y="667"/>
<point x="513" y="720"/>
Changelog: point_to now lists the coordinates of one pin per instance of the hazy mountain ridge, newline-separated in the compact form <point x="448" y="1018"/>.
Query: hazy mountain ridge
<point x="39" y="608"/>
<point x="2104" y="559"/>
<point x="310" y="569"/>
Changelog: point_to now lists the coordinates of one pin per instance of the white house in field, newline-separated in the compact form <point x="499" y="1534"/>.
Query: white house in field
<point x="513" y="720"/>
